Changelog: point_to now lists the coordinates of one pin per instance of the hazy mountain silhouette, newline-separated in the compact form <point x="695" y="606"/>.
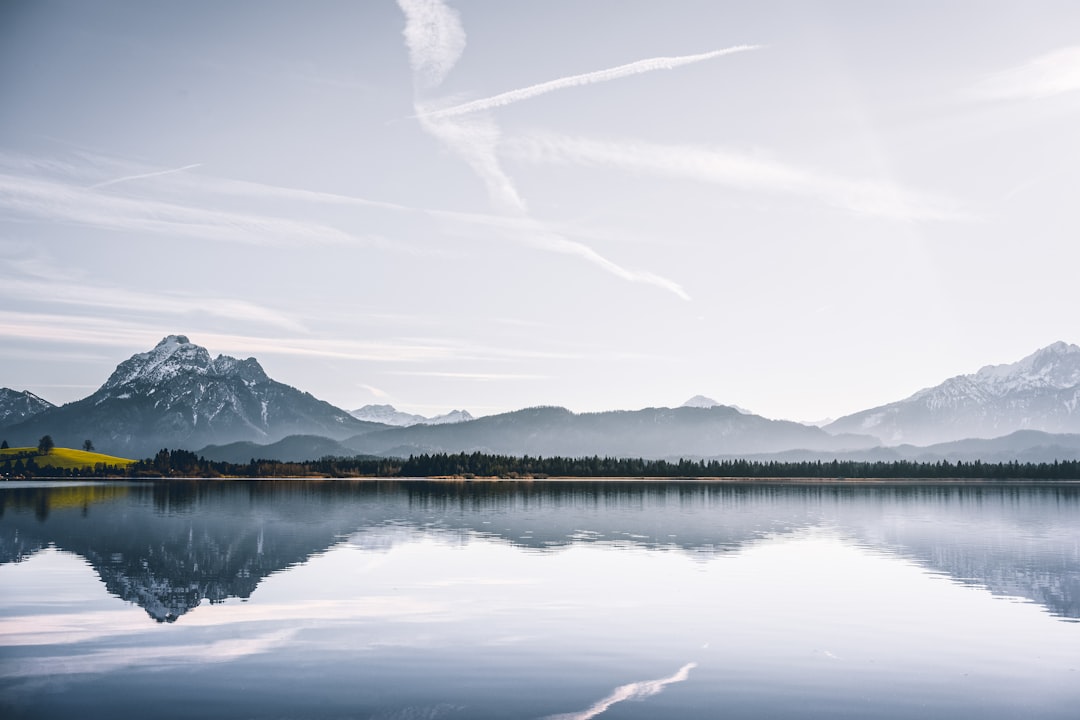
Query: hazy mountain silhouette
<point x="651" y="433"/>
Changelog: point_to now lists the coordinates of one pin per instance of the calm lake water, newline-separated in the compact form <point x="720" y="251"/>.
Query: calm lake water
<point x="421" y="599"/>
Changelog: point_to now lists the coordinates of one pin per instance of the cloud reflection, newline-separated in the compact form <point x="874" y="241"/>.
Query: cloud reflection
<point x="112" y="659"/>
<point x="66" y="628"/>
<point x="631" y="691"/>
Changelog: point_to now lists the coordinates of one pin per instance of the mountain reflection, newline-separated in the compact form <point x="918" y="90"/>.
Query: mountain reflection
<point x="168" y="546"/>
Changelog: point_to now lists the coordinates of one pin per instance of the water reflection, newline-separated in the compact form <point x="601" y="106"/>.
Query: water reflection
<point x="398" y="600"/>
<point x="170" y="546"/>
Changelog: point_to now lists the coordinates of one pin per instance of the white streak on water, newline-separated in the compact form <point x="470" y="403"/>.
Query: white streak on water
<point x="632" y="691"/>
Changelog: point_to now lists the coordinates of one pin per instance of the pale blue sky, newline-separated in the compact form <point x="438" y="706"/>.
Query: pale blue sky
<point x="857" y="201"/>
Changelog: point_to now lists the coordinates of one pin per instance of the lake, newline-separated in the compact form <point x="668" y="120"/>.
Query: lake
<point x="420" y="599"/>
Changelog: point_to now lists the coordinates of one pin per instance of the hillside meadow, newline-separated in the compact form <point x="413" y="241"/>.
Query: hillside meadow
<point x="63" y="458"/>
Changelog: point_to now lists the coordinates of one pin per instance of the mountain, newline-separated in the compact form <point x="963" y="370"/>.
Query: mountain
<point x="177" y="396"/>
<point x="295" y="448"/>
<point x="1039" y="392"/>
<point x="650" y="433"/>
<point x="700" y="401"/>
<point x="1023" y="446"/>
<point x="16" y="406"/>
<point x="389" y="415"/>
<point x="454" y="416"/>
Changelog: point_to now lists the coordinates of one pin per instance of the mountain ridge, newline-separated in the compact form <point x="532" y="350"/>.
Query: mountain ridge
<point x="1038" y="392"/>
<point x="649" y="433"/>
<point x="18" y="405"/>
<point x="389" y="415"/>
<point x="175" y="395"/>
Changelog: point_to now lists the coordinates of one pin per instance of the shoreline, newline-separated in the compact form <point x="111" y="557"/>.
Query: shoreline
<point x="672" y="480"/>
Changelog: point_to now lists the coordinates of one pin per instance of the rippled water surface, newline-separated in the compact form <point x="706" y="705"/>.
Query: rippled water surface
<point x="421" y="599"/>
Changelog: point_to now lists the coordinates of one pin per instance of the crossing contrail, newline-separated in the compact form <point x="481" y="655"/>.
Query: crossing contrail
<point x="634" y="68"/>
<point x="140" y="176"/>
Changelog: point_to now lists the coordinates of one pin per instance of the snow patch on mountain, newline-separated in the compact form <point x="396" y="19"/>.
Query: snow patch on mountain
<point x="1038" y="392"/>
<point x="16" y="405"/>
<point x="454" y="416"/>
<point x="177" y="396"/>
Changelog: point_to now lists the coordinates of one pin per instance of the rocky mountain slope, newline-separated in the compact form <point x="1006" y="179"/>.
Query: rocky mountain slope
<point x="177" y="396"/>
<point x="16" y="406"/>
<point x="1039" y="392"/>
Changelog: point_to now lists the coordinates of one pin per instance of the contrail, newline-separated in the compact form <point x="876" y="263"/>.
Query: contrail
<point x="435" y="39"/>
<point x="142" y="175"/>
<point x="709" y="164"/>
<point x="633" y="691"/>
<point x="634" y="68"/>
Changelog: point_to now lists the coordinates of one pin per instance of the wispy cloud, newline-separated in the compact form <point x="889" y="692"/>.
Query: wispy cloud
<point x="1051" y="74"/>
<point x="557" y="243"/>
<point x="90" y="331"/>
<point x="375" y="392"/>
<point x="70" y="291"/>
<point x="632" y="691"/>
<point x="469" y="375"/>
<point x="62" y="191"/>
<point x="634" y="68"/>
<point x="52" y="200"/>
<point x="140" y="176"/>
<point x="475" y="140"/>
<point x="434" y="37"/>
<point x="724" y="167"/>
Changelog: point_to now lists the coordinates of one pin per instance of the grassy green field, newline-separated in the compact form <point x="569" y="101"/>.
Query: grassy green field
<point x="65" y="458"/>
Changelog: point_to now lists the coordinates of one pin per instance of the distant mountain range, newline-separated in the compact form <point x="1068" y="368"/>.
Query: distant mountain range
<point x="388" y="415"/>
<point x="652" y="433"/>
<point x="1040" y="392"/>
<point x="177" y="396"/>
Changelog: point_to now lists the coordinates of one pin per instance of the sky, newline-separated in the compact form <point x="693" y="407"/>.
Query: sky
<point x="802" y="208"/>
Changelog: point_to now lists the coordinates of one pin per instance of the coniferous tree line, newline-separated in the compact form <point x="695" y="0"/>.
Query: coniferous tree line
<point x="184" y="463"/>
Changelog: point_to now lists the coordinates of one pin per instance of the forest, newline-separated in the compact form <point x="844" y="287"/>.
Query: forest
<point x="183" y="463"/>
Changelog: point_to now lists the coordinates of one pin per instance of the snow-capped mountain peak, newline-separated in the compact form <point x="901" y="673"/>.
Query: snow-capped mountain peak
<point x="175" y="395"/>
<point x="389" y="415"/>
<point x="1054" y="366"/>
<point x="173" y="356"/>
<point x="177" y="356"/>
<point x="701" y="401"/>
<point x="1038" y="392"/>
<point x="454" y="416"/>
<point x="16" y="406"/>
